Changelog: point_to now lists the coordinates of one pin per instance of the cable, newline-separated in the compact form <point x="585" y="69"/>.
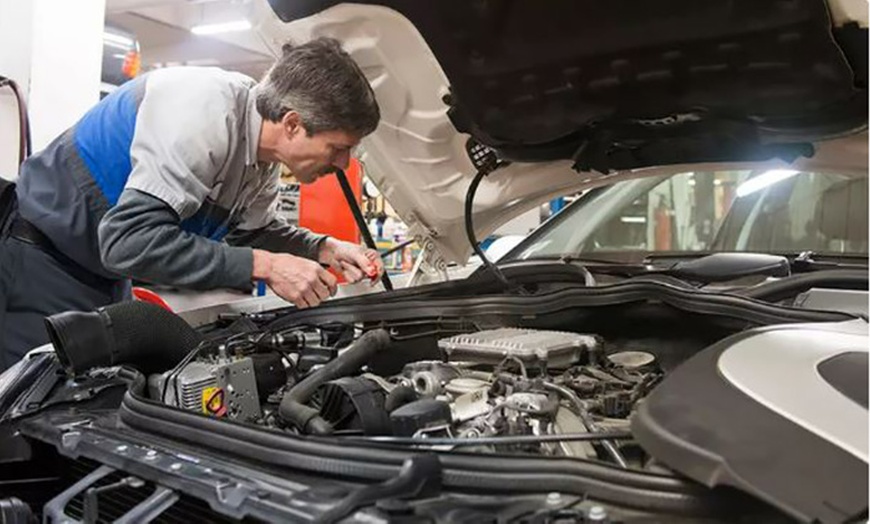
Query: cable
<point x="494" y="441"/>
<point x="607" y="444"/>
<point x="397" y="247"/>
<point x="24" y="140"/>
<point x="173" y="374"/>
<point x="469" y="228"/>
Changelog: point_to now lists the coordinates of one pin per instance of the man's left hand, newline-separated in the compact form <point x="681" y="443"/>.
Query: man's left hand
<point x="355" y="262"/>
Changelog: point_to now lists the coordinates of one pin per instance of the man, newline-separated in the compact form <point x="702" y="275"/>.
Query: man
<point x="172" y="179"/>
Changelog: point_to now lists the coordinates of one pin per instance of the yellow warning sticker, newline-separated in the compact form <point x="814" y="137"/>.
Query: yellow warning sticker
<point x="213" y="402"/>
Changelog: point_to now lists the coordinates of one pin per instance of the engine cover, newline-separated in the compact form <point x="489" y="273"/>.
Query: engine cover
<point x="761" y="409"/>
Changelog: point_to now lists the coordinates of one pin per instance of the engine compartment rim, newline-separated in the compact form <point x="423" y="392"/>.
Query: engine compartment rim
<point x="631" y="488"/>
<point x="697" y="301"/>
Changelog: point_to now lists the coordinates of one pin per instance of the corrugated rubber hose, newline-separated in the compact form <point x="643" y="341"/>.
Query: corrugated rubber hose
<point x="293" y="410"/>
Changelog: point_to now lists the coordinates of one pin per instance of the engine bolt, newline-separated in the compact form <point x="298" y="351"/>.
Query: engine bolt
<point x="121" y="449"/>
<point x="596" y="514"/>
<point x="554" y="498"/>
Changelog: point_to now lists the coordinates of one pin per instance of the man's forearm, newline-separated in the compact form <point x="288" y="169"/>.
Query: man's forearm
<point x="280" y="237"/>
<point x="141" y="238"/>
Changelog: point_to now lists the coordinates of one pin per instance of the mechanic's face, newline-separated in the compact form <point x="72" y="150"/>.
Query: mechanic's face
<point x="311" y="156"/>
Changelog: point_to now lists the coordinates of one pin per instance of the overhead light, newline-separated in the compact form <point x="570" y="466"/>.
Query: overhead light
<point x="225" y="27"/>
<point x="764" y="180"/>
<point x="118" y="39"/>
<point x="632" y="220"/>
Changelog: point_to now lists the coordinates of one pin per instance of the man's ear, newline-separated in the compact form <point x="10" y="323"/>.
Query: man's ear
<point x="292" y="123"/>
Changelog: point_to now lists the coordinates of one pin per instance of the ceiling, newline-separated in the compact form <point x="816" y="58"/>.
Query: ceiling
<point x="163" y="30"/>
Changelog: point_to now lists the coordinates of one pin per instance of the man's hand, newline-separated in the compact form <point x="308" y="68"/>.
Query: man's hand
<point x="295" y="279"/>
<point x="355" y="262"/>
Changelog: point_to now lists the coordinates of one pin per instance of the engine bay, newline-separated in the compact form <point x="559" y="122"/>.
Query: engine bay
<point x="623" y="403"/>
<point x="502" y="390"/>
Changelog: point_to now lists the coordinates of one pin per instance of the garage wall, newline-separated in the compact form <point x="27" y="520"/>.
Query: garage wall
<point x="53" y="50"/>
<point x="16" y="21"/>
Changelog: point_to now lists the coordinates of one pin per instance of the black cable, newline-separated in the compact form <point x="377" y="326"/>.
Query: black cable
<point x="173" y="374"/>
<point x="350" y="197"/>
<point x="469" y="228"/>
<point x="494" y="441"/>
<point x="397" y="247"/>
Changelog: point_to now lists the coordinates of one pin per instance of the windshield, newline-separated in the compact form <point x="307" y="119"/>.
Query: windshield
<point x="778" y="211"/>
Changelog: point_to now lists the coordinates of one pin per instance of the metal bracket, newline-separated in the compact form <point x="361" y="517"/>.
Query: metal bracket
<point x="92" y="496"/>
<point x="428" y="260"/>
<point x="53" y="510"/>
<point x="150" y="508"/>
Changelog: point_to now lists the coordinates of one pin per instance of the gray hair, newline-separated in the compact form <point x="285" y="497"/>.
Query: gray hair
<point x="322" y="83"/>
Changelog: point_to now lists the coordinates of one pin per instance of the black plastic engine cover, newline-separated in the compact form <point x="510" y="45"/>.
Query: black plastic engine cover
<point x="756" y="412"/>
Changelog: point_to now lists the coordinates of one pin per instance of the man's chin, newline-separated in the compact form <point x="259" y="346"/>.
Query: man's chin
<point x="313" y="177"/>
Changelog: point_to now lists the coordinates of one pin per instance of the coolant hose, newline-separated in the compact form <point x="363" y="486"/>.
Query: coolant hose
<point x="399" y="396"/>
<point x="138" y="334"/>
<point x="293" y="410"/>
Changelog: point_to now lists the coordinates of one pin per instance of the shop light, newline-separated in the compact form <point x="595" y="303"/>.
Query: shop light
<point x="225" y="27"/>
<point x="764" y="180"/>
<point x="633" y="220"/>
<point x="120" y="40"/>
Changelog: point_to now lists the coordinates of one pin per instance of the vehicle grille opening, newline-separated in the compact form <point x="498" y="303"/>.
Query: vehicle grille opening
<point x="114" y="504"/>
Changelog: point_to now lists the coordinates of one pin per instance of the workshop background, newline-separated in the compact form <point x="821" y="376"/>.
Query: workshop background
<point x="80" y="51"/>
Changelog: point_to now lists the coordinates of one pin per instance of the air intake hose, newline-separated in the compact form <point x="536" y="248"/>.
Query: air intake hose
<point x="293" y="410"/>
<point x="142" y="335"/>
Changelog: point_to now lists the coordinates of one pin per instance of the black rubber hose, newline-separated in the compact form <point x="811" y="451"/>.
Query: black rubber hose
<point x="796" y="284"/>
<point x="399" y="396"/>
<point x="142" y="335"/>
<point x="634" y="489"/>
<point x="151" y="417"/>
<point x="15" y="511"/>
<point x="293" y="410"/>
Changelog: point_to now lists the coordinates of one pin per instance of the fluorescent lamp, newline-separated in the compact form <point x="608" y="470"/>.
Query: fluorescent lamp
<point x="633" y="220"/>
<point x="226" y="27"/>
<point x="118" y="39"/>
<point x="764" y="180"/>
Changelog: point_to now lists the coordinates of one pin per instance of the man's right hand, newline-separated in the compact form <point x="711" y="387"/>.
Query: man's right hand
<point x="295" y="279"/>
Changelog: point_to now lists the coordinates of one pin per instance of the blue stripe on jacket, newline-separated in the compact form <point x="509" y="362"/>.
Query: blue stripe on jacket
<point x="103" y="138"/>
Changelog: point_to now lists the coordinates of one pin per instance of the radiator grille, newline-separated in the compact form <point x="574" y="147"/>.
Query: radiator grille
<point x="112" y="505"/>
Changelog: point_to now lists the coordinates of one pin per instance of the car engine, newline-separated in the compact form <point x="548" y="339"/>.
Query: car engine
<point x="523" y="384"/>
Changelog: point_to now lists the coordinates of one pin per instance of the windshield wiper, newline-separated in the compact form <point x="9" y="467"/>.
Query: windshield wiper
<point x="807" y="261"/>
<point x="703" y="267"/>
<point x="569" y="258"/>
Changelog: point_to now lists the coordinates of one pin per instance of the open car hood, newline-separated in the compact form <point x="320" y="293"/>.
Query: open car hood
<point x="572" y="95"/>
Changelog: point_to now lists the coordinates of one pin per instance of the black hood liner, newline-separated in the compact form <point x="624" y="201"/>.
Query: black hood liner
<point x="628" y="83"/>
